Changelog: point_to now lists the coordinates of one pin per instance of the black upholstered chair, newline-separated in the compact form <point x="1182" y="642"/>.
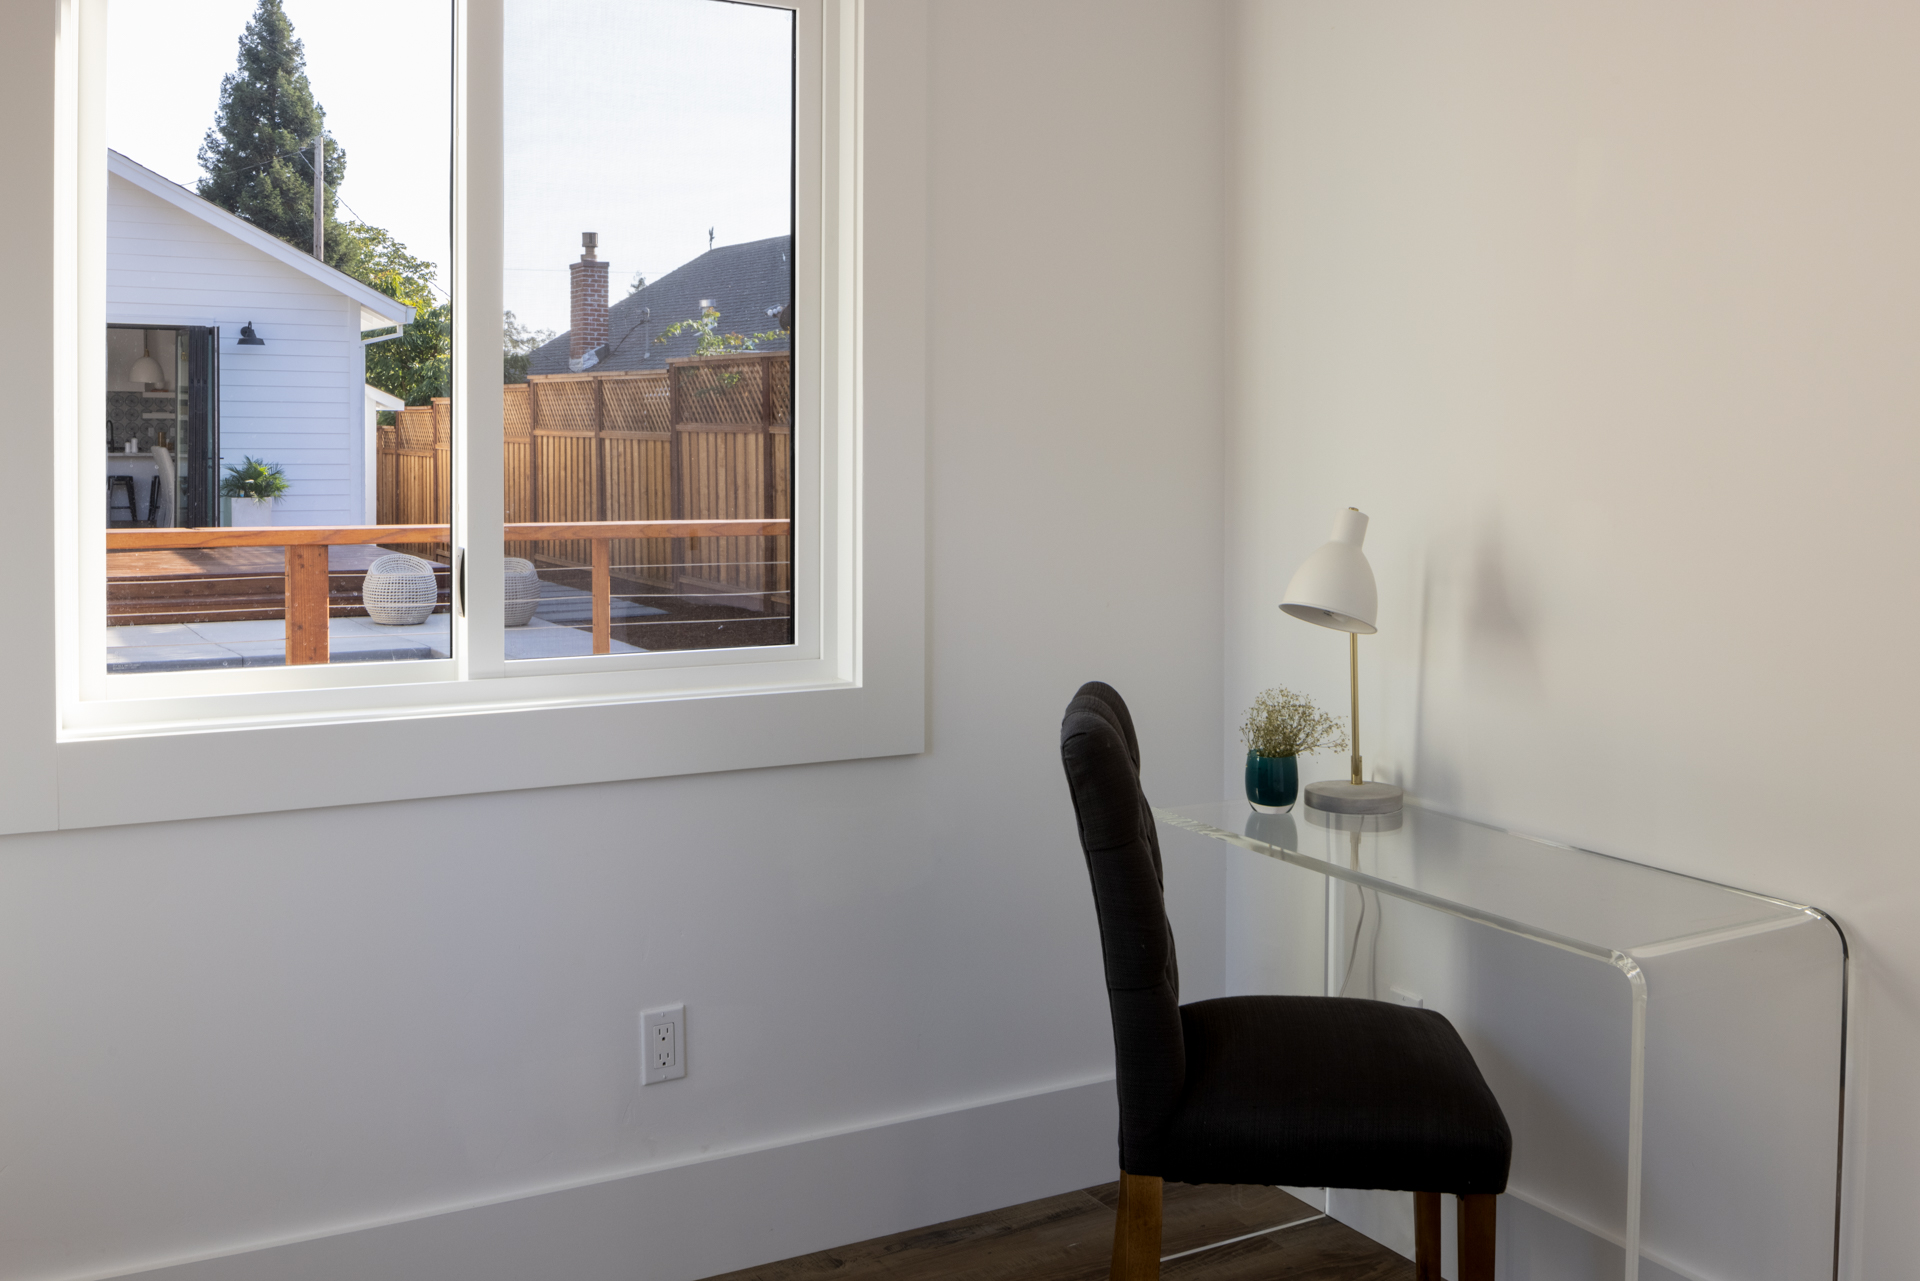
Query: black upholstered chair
<point x="1303" y="1091"/>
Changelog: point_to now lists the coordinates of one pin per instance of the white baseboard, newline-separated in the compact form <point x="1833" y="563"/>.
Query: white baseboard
<point x="699" y="1218"/>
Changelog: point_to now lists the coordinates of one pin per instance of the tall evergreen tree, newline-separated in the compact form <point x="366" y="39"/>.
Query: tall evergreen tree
<point x="253" y="155"/>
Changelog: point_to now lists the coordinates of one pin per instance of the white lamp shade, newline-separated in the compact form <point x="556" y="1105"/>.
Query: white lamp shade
<point x="1334" y="587"/>
<point x="146" y="370"/>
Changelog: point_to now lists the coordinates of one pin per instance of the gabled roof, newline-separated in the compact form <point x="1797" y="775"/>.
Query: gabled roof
<point x="377" y="311"/>
<point x="748" y="284"/>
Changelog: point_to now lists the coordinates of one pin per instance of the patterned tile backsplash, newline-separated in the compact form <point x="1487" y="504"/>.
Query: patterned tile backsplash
<point x="126" y="412"/>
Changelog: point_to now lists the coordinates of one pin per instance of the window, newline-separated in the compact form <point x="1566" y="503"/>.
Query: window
<point x="657" y="383"/>
<point x="283" y="496"/>
<point x="763" y="574"/>
<point x="647" y="454"/>
<point x="270" y="228"/>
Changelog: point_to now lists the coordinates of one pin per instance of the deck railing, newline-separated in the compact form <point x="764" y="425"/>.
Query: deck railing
<point x="308" y="604"/>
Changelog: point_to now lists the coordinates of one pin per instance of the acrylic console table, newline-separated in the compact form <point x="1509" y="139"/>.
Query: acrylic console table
<point x="1669" y="1052"/>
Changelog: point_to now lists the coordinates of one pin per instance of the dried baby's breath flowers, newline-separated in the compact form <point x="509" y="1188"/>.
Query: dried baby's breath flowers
<point x="1283" y="723"/>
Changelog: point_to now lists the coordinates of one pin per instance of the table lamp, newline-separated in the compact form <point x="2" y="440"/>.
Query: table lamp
<point x="1334" y="588"/>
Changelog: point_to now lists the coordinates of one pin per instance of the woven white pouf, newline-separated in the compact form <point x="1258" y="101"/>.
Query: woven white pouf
<point x="399" y="591"/>
<point x="523" y="591"/>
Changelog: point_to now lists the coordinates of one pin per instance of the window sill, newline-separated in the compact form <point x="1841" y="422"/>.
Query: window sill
<point x="204" y="772"/>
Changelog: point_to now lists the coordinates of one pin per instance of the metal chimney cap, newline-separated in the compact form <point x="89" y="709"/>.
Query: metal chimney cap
<point x="589" y="241"/>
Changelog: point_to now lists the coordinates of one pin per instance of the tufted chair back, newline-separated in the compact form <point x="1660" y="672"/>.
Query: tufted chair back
<point x="1102" y="759"/>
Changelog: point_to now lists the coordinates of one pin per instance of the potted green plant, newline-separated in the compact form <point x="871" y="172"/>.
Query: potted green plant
<point x="253" y="485"/>
<point x="1279" y="727"/>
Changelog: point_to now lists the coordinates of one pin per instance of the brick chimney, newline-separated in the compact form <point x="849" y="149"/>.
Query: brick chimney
<point x="589" y="313"/>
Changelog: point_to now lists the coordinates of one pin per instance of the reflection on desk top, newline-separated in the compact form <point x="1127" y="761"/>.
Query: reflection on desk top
<point x="1590" y="903"/>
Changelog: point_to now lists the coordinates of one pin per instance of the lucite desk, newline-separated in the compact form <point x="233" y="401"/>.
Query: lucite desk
<point x="1669" y="1052"/>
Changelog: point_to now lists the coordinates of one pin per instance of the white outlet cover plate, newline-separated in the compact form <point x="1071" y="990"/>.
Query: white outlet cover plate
<point x="663" y="1044"/>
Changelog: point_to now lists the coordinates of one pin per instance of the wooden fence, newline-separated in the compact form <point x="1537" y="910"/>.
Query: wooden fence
<point x="414" y="485"/>
<point x="704" y="439"/>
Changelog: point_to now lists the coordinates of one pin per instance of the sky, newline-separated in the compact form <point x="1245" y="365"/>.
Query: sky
<point x="679" y="122"/>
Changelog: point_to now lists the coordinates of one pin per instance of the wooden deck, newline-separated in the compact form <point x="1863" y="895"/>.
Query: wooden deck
<point x="192" y="561"/>
<point x="306" y="574"/>
<point x="214" y="584"/>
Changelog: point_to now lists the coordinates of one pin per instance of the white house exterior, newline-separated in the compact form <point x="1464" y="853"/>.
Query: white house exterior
<point x="300" y="400"/>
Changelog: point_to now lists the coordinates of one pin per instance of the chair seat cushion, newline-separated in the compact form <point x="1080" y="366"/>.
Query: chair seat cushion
<point x="1306" y="1091"/>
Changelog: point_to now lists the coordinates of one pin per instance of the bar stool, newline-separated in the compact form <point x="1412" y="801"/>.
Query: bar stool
<point x="153" y="503"/>
<point x="120" y="489"/>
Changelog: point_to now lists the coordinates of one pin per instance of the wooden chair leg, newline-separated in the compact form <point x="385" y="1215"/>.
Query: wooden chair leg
<point x="1426" y="1236"/>
<point x="1136" y="1229"/>
<point x="1475" y="1240"/>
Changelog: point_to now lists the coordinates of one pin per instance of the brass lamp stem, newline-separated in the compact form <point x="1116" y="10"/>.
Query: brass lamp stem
<point x="1353" y="673"/>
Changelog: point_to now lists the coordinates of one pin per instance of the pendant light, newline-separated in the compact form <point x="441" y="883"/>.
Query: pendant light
<point x="146" y="370"/>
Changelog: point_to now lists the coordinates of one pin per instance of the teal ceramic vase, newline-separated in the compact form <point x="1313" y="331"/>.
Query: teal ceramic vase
<point x="1273" y="782"/>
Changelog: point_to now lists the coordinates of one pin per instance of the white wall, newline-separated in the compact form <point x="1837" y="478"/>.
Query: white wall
<point x="1607" y="314"/>
<point x="226" y="1033"/>
<point x="367" y="480"/>
<point x="298" y="401"/>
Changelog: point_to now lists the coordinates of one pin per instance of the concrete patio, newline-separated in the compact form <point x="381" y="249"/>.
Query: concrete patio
<point x="184" y="647"/>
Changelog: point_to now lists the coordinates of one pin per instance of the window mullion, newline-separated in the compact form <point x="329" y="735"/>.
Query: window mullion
<point x="478" y="232"/>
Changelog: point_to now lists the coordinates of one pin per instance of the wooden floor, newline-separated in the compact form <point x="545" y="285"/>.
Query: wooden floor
<point x="1070" y="1238"/>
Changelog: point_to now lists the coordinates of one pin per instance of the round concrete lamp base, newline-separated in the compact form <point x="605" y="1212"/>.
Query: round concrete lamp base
<point x="1341" y="797"/>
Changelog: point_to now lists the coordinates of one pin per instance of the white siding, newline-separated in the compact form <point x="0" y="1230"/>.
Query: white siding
<point x="298" y="401"/>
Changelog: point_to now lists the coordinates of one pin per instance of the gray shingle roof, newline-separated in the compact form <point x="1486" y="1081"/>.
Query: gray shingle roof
<point x="748" y="284"/>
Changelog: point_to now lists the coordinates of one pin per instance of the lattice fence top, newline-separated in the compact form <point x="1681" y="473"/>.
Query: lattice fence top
<point x="565" y="406"/>
<point x="519" y="411"/>
<point x="751" y="389"/>
<point x="637" y="401"/>
<point x="414" y="429"/>
<point x="733" y="390"/>
<point x="781" y="371"/>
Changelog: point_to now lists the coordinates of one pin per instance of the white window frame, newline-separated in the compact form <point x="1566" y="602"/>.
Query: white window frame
<point x="138" y="748"/>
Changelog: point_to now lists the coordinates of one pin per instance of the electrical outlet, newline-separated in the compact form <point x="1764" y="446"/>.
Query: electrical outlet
<point x="663" y="1044"/>
<point x="1404" y="996"/>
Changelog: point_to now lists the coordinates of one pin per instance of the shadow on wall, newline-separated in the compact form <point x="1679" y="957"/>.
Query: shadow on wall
<point x="1476" y="634"/>
<point x="1501" y="654"/>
